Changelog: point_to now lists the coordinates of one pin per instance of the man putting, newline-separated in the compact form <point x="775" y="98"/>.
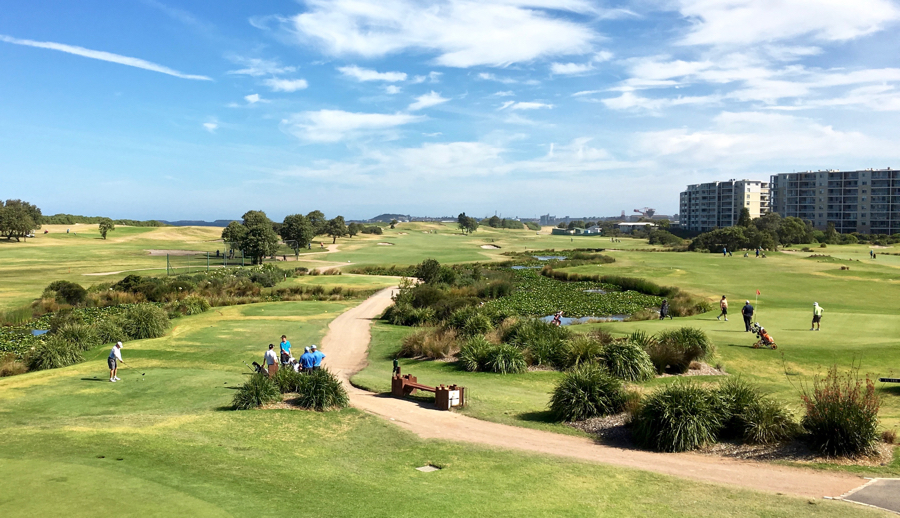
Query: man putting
<point x="115" y="356"/>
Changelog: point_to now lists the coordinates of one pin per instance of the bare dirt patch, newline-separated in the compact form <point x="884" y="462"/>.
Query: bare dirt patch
<point x="157" y="252"/>
<point x="702" y="369"/>
<point x="385" y="244"/>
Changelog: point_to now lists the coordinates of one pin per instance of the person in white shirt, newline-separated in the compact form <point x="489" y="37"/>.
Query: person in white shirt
<point x="271" y="360"/>
<point x="115" y="356"/>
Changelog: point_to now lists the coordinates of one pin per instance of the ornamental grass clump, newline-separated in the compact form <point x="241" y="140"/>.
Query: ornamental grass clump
<point x="582" y="349"/>
<point x="627" y="361"/>
<point x="321" y="390"/>
<point x="543" y="343"/>
<point x="766" y="421"/>
<point x="145" y="321"/>
<point x="81" y="336"/>
<point x="473" y="353"/>
<point x="287" y="380"/>
<point x="109" y="331"/>
<point x="585" y="392"/>
<point x="430" y="343"/>
<point x="54" y="353"/>
<point x="257" y="391"/>
<point x="841" y="414"/>
<point x="733" y="397"/>
<point x="190" y="305"/>
<point x="673" y="350"/>
<point x="678" y="417"/>
<point x="505" y="359"/>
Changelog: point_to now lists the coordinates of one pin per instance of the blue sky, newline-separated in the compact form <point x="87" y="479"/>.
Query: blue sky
<point x="203" y="110"/>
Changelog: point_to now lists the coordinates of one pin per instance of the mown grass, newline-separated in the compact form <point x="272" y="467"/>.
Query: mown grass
<point x="174" y="448"/>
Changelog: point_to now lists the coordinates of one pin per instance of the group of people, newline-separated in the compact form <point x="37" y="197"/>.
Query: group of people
<point x="310" y="360"/>
<point x="747" y="312"/>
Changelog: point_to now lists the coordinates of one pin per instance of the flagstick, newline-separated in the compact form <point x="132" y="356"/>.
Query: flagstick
<point x="757" y="305"/>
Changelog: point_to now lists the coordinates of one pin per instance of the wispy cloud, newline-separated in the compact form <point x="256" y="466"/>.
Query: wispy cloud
<point x="254" y="98"/>
<point x="392" y="89"/>
<point x="286" y="85"/>
<point x="487" y="76"/>
<point x="507" y="93"/>
<point x="337" y="125"/>
<point x="211" y="126"/>
<point x="365" y="74"/>
<point x="570" y="68"/>
<point x="257" y="67"/>
<point x="512" y="105"/>
<point x="103" y="56"/>
<point x="427" y="100"/>
<point x="462" y="33"/>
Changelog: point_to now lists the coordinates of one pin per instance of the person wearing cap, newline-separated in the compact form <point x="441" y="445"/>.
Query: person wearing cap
<point x="724" y="305"/>
<point x="115" y="356"/>
<point x="747" y="313"/>
<point x="271" y="360"/>
<point x="817" y="316"/>
<point x="307" y="360"/>
<point x="319" y="356"/>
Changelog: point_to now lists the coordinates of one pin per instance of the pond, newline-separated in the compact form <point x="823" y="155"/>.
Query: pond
<point x="525" y="267"/>
<point x="567" y="321"/>
<point x="602" y="292"/>
<point x="39" y="332"/>
<point x="550" y="257"/>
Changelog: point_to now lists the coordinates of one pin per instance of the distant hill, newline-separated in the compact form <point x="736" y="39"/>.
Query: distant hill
<point x="194" y="223"/>
<point x="386" y="218"/>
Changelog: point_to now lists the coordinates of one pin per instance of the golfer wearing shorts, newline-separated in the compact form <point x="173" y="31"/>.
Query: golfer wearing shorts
<point x="115" y="356"/>
<point x="817" y="316"/>
<point x="724" y="305"/>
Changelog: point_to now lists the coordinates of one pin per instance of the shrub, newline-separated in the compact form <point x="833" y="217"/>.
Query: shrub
<point x="888" y="436"/>
<point x="109" y="331"/>
<point x="145" y="321"/>
<point x="473" y="354"/>
<point x="81" y="336"/>
<point x="674" y="350"/>
<point x="191" y="305"/>
<point x="585" y="392"/>
<point x="678" y="417"/>
<point x="53" y="354"/>
<point x="734" y="396"/>
<point x="505" y="359"/>
<point x="68" y="292"/>
<point x="288" y="380"/>
<point x="430" y="343"/>
<point x="627" y="361"/>
<point x="544" y="343"/>
<point x="257" y="391"/>
<point x="765" y="421"/>
<point x="10" y="366"/>
<point x="582" y="349"/>
<point x="321" y="390"/>
<point x="841" y="414"/>
<point x="468" y="322"/>
<point x="496" y="289"/>
<point x="402" y="314"/>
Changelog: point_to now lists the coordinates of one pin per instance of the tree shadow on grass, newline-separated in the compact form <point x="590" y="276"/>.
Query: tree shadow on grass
<point x="541" y="416"/>
<point x="95" y="379"/>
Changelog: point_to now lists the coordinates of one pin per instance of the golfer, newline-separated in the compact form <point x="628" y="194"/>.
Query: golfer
<point x="285" y="349"/>
<point x="664" y="310"/>
<point x="307" y="360"/>
<point x="724" y="305"/>
<point x="747" y="313"/>
<point x="817" y="316"/>
<point x="271" y="360"/>
<point x="318" y="355"/>
<point x="115" y="356"/>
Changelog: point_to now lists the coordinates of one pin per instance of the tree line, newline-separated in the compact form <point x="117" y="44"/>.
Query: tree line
<point x="18" y="219"/>
<point x="258" y="236"/>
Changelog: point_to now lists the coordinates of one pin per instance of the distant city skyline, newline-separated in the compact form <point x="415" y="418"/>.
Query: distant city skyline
<point x="198" y="110"/>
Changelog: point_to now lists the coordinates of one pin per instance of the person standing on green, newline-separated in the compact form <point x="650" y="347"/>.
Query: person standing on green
<point x="817" y="316"/>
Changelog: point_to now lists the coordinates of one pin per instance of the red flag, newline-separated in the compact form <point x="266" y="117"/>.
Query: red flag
<point x="757" y="292"/>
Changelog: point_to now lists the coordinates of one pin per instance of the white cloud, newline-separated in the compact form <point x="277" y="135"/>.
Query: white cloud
<point x="629" y="100"/>
<point x="427" y="100"/>
<point x="211" y="126"/>
<point x="570" y="68"/>
<point x="463" y="33"/>
<point x="491" y="77"/>
<point x="102" y="56"/>
<point x="524" y="105"/>
<point x="392" y="89"/>
<point x="507" y="93"/>
<point x="253" y="98"/>
<point x="336" y="125"/>
<point x="364" y="74"/>
<point x="286" y="85"/>
<point x="742" y="22"/>
<point x="256" y="67"/>
<point x="586" y="92"/>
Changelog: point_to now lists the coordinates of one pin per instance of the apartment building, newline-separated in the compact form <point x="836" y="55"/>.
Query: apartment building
<point x="706" y="206"/>
<point x="865" y="201"/>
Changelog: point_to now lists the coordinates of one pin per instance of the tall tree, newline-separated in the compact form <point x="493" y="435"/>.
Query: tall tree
<point x="336" y="228"/>
<point x="233" y="235"/>
<point x="106" y="225"/>
<point x="260" y="240"/>
<point x="353" y="229"/>
<point x="744" y="218"/>
<point x="394" y="223"/>
<point x="297" y="232"/>
<point x="18" y="219"/>
<point x="317" y="220"/>
<point x="793" y="231"/>
<point x="463" y="222"/>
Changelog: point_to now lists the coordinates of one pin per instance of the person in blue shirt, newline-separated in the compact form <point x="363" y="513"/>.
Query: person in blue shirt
<point x="307" y="360"/>
<point x="319" y="355"/>
<point x="285" y="349"/>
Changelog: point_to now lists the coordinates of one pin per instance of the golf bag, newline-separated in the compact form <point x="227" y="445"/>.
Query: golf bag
<point x="765" y="339"/>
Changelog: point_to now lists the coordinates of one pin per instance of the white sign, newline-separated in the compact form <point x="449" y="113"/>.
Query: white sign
<point x="454" y="398"/>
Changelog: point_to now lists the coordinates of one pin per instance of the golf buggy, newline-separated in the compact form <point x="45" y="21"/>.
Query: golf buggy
<point x="765" y="339"/>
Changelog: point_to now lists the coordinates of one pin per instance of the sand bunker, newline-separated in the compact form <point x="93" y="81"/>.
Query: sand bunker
<point x="175" y="252"/>
<point x="403" y="233"/>
<point x="386" y="244"/>
<point x="490" y="247"/>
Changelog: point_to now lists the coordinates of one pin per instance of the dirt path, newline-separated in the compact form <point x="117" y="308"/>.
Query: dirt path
<point x="347" y="342"/>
